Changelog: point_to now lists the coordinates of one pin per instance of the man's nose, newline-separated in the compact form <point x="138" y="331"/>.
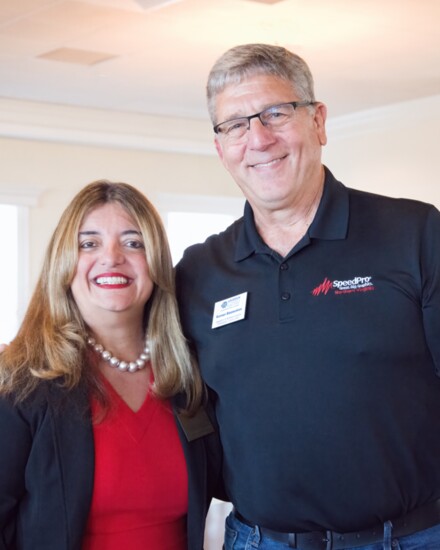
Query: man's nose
<point x="259" y="135"/>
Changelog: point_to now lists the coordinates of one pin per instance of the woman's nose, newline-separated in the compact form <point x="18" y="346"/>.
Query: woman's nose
<point x="112" y="255"/>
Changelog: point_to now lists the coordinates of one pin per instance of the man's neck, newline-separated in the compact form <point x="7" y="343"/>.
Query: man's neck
<point x="282" y="229"/>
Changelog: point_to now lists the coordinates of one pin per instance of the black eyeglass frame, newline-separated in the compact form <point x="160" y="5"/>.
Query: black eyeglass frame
<point x="295" y="105"/>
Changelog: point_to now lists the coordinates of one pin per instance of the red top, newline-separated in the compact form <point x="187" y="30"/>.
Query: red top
<point x="140" y="493"/>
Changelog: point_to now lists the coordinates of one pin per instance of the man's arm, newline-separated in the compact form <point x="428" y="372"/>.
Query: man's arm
<point x="430" y="269"/>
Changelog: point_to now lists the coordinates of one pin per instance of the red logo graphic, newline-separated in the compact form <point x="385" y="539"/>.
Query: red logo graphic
<point x="347" y="286"/>
<point x="324" y="287"/>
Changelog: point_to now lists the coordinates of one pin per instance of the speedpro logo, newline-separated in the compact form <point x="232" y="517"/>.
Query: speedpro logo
<point x="348" y="286"/>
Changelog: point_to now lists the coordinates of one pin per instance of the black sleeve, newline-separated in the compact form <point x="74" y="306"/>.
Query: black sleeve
<point x="16" y="442"/>
<point x="215" y="455"/>
<point x="430" y="268"/>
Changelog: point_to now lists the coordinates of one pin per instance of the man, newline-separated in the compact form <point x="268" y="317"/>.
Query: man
<point x="316" y="320"/>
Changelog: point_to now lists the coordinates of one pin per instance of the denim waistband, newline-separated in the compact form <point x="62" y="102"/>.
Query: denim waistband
<point x="421" y="518"/>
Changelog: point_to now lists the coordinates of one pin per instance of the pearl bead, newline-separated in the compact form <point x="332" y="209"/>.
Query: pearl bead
<point x="133" y="366"/>
<point x="124" y="366"/>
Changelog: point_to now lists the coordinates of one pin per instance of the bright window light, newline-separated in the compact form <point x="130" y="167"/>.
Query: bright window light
<point x="186" y="228"/>
<point x="190" y="219"/>
<point x="9" y="274"/>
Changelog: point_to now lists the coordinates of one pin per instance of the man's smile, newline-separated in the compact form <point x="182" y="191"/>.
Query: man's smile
<point x="268" y="163"/>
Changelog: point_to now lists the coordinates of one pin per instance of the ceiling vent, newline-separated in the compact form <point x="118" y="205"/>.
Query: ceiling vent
<point x="80" y="57"/>
<point x="149" y="4"/>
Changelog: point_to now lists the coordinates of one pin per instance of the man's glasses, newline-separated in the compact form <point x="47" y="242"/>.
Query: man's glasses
<point x="273" y="118"/>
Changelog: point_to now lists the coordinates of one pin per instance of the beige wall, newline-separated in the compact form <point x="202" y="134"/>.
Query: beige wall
<point x="61" y="170"/>
<point x="392" y="151"/>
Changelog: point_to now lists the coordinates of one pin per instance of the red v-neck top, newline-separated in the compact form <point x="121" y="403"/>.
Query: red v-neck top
<point x="140" y="493"/>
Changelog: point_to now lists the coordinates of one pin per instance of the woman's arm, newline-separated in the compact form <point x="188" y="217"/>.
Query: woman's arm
<point x="16" y="442"/>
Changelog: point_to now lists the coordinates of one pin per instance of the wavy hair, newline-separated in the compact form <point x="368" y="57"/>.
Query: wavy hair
<point x="51" y="342"/>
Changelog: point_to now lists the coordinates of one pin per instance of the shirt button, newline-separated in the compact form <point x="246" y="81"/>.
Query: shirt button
<point x="285" y="296"/>
<point x="284" y="267"/>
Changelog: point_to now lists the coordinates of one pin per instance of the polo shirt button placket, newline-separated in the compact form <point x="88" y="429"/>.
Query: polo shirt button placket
<point x="285" y="293"/>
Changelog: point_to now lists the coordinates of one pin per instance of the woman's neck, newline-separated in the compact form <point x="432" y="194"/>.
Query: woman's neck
<point x="124" y="339"/>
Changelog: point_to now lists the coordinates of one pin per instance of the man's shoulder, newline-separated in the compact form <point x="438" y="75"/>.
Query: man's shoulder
<point x="376" y="200"/>
<point x="388" y="204"/>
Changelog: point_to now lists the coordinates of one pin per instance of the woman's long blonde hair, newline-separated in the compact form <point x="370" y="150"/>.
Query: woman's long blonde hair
<point x="51" y="342"/>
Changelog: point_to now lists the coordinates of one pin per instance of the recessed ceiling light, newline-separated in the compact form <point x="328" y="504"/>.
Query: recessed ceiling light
<point x="73" y="55"/>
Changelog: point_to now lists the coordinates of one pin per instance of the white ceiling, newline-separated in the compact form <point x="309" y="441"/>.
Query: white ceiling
<point x="363" y="53"/>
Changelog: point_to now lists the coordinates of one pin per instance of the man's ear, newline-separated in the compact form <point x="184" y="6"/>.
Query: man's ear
<point x="218" y="148"/>
<point x="320" y="118"/>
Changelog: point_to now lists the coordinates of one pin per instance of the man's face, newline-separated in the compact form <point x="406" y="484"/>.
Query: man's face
<point x="272" y="167"/>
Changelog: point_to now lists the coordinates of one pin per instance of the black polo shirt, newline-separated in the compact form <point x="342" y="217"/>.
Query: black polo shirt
<point x="327" y="391"/>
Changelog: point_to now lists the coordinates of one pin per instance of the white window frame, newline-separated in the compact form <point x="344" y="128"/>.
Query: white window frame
<point x="24" y="198"/>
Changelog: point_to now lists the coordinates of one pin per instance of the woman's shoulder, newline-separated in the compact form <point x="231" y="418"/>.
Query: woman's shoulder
<point x="47" y="395"/>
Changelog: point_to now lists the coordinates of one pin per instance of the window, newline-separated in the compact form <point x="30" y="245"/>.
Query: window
<point x="191" y="219"/>
<point x="9" y="274"/>
<point x="14" y="246"/>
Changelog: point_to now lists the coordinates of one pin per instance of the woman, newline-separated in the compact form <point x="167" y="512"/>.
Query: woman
<point x="93" y="457"/>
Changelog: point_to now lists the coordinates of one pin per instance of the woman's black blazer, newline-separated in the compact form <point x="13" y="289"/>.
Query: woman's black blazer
<point x="47" y="470"/>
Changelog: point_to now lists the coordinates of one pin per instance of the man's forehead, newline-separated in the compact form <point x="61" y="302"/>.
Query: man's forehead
<point x="256" y="93"/>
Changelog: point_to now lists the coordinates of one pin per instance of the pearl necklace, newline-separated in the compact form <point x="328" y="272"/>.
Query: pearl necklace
<point x="124" y="366"/>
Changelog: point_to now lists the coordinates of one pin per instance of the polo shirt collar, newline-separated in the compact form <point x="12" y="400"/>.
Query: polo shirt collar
<point x="330" y="222"/>
<point x="331" y="219"/>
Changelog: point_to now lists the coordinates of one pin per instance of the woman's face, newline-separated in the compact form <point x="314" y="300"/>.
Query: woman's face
<point x="112" y="280"/>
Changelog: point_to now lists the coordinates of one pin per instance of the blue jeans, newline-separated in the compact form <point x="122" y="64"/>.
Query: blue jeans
<point x="239" y="536"/>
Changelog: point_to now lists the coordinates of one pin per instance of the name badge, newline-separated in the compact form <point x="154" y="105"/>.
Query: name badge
<point x="229" y="310"/>
<point x="196" y="426"/>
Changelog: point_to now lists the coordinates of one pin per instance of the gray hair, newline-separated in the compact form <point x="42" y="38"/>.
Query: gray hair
<point x="248" y="60"/>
